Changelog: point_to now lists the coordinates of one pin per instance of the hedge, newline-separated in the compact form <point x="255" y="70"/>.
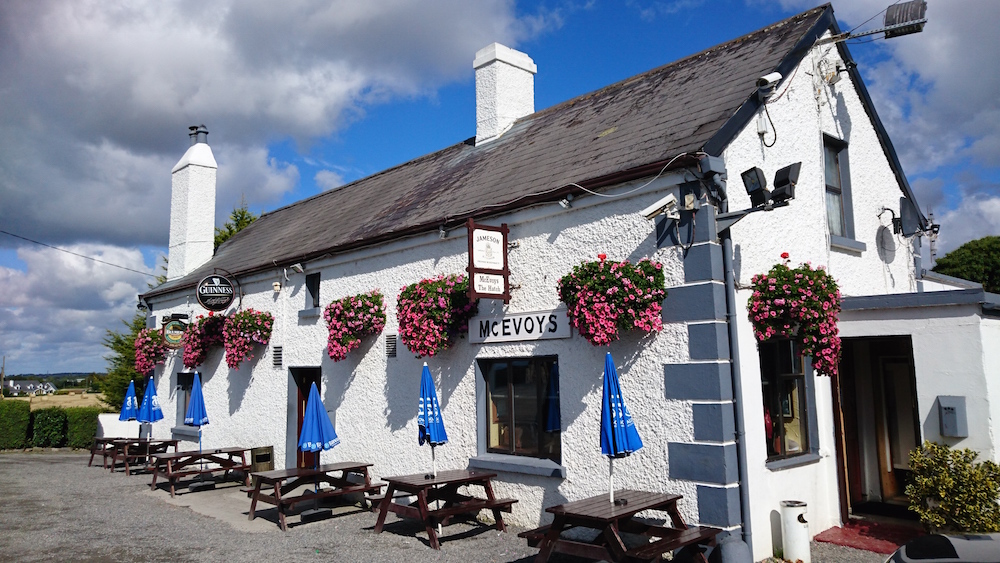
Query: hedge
<point x="81" y="426"/>
<point x="15" y="420"/>
<point x="48" y="427"/>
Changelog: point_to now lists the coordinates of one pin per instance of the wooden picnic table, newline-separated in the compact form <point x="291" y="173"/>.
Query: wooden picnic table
<point x="283" y="481"/>
<point x="137" y="450"/>
<point x="429" y="490"/>
<point x="104" y="446"/>
<point x="173" y="466"/>
<point x="609" y="519"/>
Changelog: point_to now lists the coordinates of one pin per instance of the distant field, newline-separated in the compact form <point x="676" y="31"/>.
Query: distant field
<point x="80" y="400"/>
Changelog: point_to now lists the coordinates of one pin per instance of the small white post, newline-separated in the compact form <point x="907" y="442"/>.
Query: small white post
<point x="611" y="479"/>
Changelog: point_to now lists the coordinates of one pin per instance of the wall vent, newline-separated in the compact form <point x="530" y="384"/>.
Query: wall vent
<point x="276" y="355"/>
<point x="390" y="346"/>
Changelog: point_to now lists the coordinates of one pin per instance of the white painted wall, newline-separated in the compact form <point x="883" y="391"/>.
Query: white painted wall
<point x="936" y="333"/>
<point x="373" y="399"/>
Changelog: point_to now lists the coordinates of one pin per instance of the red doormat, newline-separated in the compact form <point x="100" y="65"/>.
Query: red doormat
<point x="870" y="536"/>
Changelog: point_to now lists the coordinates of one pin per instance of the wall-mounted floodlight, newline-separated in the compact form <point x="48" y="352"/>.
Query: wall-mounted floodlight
<point x="567" y="201"/>
<point x="756" y="185"/>
<point x="442" y="233"/>
<point x="901" y="18"/>
<point x="784" y="182"/>
<point x="297" y="268"/>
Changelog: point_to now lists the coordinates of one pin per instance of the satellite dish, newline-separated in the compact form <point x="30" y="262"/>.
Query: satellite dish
<point x="909" y="218"/>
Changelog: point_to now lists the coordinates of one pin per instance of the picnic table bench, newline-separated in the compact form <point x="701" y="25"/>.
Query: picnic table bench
<point x="105" y="447"/>
<point x="137" y="451"/>
<point x="283" y="481"/>
<point x="610" y="520"/>
<point x="176" y="465"/>
<point x="444" y="487"/>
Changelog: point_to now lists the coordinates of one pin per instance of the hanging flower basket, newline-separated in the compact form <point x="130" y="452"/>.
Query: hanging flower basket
<point x="433" y="313"/>
<point x="801" y="304"/>
<point x="200" y="336"/>
<point x="150" y="349"/>
<point x="241" y="331"/>
<point x="350" y="319"/>
<point x="606" y="297"/>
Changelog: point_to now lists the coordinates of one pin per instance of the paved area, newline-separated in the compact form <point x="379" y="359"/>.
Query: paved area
<point x="54" y="507"/>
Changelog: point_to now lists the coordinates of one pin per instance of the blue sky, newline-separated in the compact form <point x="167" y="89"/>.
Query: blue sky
<point x="300" y="98"/>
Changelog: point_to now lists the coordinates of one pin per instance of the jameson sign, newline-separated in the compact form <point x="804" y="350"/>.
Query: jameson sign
<point x="215" y="292"/>
<point x="488" y="269"/>
<point x="510" y="327"/>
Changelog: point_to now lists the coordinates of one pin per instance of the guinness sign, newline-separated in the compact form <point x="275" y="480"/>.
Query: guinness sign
<point x="215" y="292"/>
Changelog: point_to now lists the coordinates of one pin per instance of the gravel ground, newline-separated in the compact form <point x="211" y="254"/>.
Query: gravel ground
<point x="54" y="507"/>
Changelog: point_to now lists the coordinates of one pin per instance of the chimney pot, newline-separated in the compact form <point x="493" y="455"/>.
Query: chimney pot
<point x="198" y="134"/>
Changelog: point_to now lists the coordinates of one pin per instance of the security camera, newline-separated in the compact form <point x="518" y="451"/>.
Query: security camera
<point x="666" y="205"/>
<point x="769" y="80"/>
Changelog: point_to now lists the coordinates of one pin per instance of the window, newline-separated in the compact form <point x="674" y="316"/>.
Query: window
<point x="834" y="191"/>
<point x="839" y="212"/>
<point x="312" y="291"/>
<point x="787" y="401"/>
<point x="522" y="402"/>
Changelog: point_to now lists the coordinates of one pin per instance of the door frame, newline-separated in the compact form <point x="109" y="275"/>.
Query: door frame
<point x="302" y="378"/>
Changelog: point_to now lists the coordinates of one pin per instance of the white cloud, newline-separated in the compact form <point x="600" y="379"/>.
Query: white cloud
<point x="977" y="216"/>
<point x="53" y="317"/>
<point x="328" y="179"/>
<point x="97" y="98"/>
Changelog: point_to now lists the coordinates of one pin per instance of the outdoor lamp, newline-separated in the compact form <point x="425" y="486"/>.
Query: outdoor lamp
<point x="784" y="182"/>
<point x="276" y="286"/>
<point x="756" y="186"/>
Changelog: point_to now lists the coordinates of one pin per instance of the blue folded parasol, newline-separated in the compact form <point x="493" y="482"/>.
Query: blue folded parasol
<point x="619" y="437"/>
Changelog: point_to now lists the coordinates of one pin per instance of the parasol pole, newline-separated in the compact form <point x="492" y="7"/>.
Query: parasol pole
<point x="434" y="471"/>
<point x="611" y="479"/>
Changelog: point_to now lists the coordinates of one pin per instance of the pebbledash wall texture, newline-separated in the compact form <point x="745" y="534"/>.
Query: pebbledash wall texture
<point x="373" y="399"/>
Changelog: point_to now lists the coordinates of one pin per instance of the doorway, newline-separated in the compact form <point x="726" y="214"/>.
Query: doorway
<point x="303" y="379"/>
<point x="878" y="425"/>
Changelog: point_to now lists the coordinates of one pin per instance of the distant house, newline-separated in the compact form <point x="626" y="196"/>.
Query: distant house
<point x="29" y="387"/>
<point x="733" y="424"/>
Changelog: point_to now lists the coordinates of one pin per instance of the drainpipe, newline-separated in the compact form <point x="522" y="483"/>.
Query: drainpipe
<point x="734" y="354"/>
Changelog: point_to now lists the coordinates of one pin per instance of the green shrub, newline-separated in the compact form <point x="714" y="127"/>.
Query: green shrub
<point x="48" y="427"/>
<point x="81" y="426"/>
<point x="953" y="493"/>
<point x="15" y="420"/>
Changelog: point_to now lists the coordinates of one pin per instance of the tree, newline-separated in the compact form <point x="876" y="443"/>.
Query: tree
<point x="121" y="363"/>
<point x="238" y="220"/>
<point x="977" y="260"/>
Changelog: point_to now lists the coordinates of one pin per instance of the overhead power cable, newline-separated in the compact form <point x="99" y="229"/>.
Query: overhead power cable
<point x="98" y="260"/>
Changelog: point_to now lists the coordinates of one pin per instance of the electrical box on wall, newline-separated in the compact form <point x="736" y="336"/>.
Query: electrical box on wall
<point x="954" y="422"/>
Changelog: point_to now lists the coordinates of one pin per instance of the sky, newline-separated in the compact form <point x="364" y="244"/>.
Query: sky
<point x="300" y="97"/>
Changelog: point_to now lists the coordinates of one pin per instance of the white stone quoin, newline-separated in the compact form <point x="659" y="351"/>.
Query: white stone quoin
<point x="505" y="90"/>
<point x="192" y="207"/>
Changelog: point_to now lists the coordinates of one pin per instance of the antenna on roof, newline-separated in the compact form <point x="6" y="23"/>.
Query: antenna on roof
<point x="902" y="18"/>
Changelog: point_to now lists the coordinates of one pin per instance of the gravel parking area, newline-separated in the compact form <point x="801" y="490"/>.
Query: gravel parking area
<point x="54" y="507"/>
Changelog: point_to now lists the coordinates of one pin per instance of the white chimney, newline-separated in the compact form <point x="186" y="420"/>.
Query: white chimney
<point x="192" y="207"/>
<point x="505" y="90"/>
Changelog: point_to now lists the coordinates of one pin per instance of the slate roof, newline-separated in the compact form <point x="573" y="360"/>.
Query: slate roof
<point x="623" y="131"/>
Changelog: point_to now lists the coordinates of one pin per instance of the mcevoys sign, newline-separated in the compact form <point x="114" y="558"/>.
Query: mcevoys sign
<point x="510" y="327"/>
<point x="215" y="292"/>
